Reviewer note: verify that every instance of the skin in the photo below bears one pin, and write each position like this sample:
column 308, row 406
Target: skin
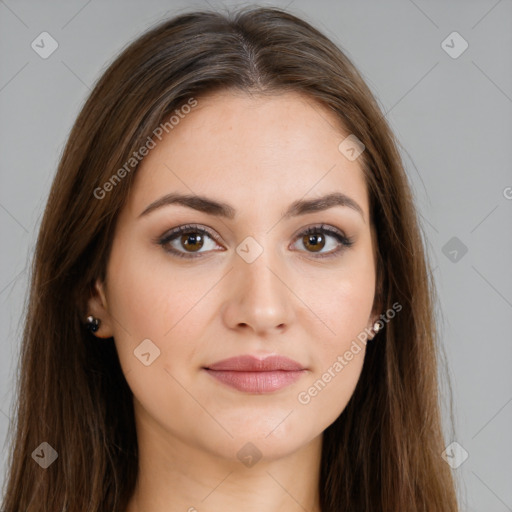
column 259, row 154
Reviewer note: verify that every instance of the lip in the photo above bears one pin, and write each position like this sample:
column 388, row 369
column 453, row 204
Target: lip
column 254, row 375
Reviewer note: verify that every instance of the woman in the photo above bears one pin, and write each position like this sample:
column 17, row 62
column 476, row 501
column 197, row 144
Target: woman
column 230, row 303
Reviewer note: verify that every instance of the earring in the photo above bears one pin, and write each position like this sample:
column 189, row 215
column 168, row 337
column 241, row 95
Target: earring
column 93, row 324
column 376, row 327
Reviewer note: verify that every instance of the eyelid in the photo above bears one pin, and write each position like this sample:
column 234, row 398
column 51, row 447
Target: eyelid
column 190, row 227
column 327, row 228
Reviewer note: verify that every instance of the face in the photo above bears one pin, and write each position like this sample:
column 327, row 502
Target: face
column 255, row 275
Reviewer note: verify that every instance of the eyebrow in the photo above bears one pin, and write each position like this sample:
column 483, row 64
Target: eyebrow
column 220, row 209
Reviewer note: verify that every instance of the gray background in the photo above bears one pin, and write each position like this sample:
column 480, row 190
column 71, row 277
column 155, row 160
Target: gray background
column 451, row 115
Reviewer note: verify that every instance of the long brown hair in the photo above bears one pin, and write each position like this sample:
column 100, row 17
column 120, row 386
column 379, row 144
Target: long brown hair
column 383, row 453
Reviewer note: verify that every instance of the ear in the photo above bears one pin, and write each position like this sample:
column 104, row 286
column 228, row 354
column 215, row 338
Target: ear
column 98, row 308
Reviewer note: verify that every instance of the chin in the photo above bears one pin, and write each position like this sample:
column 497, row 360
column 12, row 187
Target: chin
column 257, row 439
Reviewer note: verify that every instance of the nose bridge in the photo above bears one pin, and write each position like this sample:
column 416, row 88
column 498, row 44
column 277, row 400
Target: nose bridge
column 259, row 297
column 258, row 274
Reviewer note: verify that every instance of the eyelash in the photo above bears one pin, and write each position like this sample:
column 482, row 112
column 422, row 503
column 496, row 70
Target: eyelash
column 343, row 240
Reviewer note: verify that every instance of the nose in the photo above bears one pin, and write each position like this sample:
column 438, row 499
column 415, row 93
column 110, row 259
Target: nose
column 260, row 298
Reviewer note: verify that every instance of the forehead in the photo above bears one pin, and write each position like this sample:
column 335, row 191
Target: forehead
column 251, row 151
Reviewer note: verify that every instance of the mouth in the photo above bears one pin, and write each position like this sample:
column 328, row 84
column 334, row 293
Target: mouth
column 253, row 375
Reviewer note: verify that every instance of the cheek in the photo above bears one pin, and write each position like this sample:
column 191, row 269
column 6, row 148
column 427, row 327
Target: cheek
column 151, row 299
column 343, row 300
column 340, row 350
column 339, row 355
column 348, row 310
column 148, row 302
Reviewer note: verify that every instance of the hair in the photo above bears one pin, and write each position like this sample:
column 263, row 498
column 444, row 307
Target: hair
column 384, row 450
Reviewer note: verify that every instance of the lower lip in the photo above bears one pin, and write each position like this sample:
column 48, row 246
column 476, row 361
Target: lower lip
column 256, row 382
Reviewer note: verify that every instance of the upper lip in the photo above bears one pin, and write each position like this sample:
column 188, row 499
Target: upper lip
column 248, row 363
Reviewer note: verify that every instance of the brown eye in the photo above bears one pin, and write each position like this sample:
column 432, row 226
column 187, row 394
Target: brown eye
column 188, row 241
column 314, row 242
column 192, row 241
column 317, row 238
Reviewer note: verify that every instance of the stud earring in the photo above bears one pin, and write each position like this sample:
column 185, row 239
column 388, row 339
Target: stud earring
column 93, row 324
column 376, row 327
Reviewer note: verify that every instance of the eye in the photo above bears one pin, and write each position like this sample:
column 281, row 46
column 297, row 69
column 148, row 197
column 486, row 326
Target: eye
column 315, row 238
column 192, row 238
column 189, row 236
